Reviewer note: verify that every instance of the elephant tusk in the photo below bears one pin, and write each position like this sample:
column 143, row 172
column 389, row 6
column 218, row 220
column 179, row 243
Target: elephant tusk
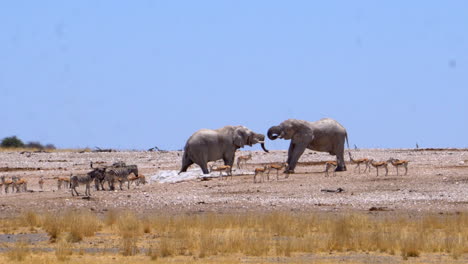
column 261, row 142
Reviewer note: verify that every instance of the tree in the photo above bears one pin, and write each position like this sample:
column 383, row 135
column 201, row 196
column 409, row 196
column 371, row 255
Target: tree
column 12, row 142
column 34, row 145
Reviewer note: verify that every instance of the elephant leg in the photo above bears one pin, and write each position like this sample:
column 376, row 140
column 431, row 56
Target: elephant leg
column 186, row 162
column 204, row 167
column 340, row 160
column 228, row 160
column 296, row 153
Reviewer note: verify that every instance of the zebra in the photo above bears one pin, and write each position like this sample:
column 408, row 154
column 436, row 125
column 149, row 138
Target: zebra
column 76, row 180
column 120, row 174
column 99, row 180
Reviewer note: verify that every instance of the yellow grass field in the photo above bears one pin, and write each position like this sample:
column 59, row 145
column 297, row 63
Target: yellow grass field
column 275, row 237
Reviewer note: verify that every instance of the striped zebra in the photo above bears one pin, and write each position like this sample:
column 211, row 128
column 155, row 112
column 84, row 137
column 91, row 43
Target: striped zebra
column 120, row 174
column 99, row 180
column 76, row 180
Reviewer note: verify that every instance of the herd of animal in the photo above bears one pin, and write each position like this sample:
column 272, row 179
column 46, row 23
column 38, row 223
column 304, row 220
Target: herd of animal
column 117, row 172
column 368, row 163
column 207, row 145
column 120, row 173
column 329, row 165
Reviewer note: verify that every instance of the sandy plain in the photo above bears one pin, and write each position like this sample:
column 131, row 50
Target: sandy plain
column 437, row 181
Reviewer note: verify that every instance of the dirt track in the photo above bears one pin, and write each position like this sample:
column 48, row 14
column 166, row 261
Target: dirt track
column 437, row 181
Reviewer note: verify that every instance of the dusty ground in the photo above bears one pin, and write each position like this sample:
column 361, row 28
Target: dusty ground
column 437, row 181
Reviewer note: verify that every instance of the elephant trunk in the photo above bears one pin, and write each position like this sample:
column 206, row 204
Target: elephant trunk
column 261, row 139
column 274, row 132
column 263, row 147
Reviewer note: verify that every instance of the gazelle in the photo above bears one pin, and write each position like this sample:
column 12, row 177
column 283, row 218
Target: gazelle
column 330, row 165
column 221, row 168
column 399, row 163
column 359, row 162
column 21, row 185
column 41, row 182
column 63, row 181
column 259, row 171
column 377, row 165
column 7, row 184
column 137, row 179
column 277, row 167
column 243, row 159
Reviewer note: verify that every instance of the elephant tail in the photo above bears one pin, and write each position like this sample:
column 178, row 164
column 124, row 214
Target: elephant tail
column 186, row 162
column 346, row 138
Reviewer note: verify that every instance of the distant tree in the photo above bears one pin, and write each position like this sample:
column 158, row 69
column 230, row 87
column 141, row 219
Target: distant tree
column 12, row 142
column 34, row 144
column 50, row 146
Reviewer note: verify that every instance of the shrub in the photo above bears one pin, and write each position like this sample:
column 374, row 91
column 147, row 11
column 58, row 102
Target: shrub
column 12, row 142
column 34, row 145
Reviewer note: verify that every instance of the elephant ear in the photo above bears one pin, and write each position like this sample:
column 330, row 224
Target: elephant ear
column 239, row 138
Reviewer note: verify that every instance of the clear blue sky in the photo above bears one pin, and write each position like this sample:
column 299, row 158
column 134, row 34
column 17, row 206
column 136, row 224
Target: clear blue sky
column 135, row 74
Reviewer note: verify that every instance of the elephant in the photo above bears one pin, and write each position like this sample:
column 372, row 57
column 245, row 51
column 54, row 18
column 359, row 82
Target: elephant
column 326, row 135
column 210, row 145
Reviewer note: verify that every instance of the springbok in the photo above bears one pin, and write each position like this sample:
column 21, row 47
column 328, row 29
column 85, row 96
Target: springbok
column 41, row 182
column 221, row 168
column 330, row 165
column 359, row 162
column 7, row 184
column 20, row 185
column 243, row 159
column 259, row 171
column 377, row 165
column 63, row 181
column 399, row 163
column 277, row 167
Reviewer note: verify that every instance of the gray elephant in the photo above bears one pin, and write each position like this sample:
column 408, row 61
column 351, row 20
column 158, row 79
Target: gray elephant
column 325, row 135
column 210, row 145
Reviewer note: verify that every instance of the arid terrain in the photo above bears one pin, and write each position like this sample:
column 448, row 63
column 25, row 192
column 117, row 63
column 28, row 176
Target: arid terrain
column 437, row 181
column 435, row 190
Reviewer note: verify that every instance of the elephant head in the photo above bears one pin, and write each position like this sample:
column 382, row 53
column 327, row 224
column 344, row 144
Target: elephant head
column 285, row 130
column 244, row 136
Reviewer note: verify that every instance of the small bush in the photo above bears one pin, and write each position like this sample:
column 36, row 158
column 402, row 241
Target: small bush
column 34, row 145
column 12, row 142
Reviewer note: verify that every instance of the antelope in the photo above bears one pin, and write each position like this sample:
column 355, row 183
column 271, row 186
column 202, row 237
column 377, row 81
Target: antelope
column 142, row 179
column 20, row 185
column 243, row 159
column 86, row 179
column 260, row 171
column 63, row 181
column 41, row 182
column 359, row 162
column 330, row 165
column 380, row 164
column 399, row 163
column 222, row 168
column 277, row 167
column 132, row 178
column 7, row 184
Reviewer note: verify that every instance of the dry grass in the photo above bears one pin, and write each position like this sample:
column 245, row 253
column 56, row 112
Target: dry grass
column 75, row 224
column 129, row 229
column 18, row 252
column 213, row 236
column 63, row 250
